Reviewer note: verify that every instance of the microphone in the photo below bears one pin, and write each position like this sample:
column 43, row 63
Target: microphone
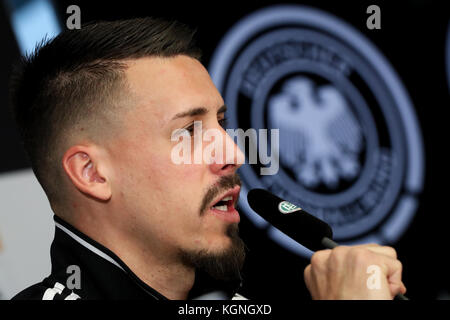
column 306, row 229
column 295, row 222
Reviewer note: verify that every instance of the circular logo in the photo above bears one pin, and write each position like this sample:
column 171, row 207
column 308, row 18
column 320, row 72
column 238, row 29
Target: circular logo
column 350, row 149
column 286, row 207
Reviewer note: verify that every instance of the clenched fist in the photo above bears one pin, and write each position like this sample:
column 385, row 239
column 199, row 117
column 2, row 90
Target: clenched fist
column 362, row 272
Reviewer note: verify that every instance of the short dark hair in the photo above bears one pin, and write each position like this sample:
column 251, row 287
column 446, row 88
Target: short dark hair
column 75, row 78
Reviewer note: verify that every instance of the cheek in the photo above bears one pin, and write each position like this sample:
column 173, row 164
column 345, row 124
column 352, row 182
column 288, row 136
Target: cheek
column 150, row 179
column 175, row 175
column 179, row 187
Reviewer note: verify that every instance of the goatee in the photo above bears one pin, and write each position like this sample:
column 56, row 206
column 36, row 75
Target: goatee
column 224, row 265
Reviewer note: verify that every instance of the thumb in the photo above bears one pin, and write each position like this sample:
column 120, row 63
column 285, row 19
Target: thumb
column 393, row 272
column 395, row 289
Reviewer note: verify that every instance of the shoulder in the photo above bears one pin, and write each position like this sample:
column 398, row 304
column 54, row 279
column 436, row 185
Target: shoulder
column 47, row 290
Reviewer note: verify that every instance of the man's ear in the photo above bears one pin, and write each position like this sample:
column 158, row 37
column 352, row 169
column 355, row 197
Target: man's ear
column 86, row 169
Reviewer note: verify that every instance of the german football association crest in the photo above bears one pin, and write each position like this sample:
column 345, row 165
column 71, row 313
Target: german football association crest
column 286, row 207
column 350, row 149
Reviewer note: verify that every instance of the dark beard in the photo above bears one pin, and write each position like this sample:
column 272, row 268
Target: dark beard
column 225, row 265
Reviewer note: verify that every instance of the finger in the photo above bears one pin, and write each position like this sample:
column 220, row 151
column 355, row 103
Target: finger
column 393, row 271
column 385, row 250
column 307, row 277
column 307, row 274
column 319, row 259
column 395, row 289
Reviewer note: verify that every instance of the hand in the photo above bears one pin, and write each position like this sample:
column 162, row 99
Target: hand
column 343, row 273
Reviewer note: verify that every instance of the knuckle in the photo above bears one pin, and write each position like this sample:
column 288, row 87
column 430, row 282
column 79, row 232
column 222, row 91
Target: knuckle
column 316, row 259
column 391, row 251
column 373, row 244
column 361, row 256
column 339, row 251
column 306, row 272
column 319, row 257
column 338, row 255
column 398, row 265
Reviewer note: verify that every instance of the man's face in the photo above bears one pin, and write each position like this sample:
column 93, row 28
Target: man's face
column 161, row 201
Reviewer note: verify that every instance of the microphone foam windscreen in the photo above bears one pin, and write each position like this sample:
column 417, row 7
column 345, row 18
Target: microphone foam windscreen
column 301, row 226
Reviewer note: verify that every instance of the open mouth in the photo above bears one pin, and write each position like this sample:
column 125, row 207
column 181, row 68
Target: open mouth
column 223, row 204
column 224, row 208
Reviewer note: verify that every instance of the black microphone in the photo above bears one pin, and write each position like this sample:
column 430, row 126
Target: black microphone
column 295, row 222
column 306, row 229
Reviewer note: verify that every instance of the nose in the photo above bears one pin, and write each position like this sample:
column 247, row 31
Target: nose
column 230, row 159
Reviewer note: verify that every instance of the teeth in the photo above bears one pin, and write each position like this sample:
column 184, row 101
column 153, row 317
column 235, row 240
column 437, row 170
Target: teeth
column 221, row 208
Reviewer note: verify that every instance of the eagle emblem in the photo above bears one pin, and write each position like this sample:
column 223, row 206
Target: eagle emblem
column 320, row 138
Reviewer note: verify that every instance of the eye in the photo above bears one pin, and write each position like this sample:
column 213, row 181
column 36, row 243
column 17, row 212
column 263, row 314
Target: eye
column 190, row 128
column 223, row 122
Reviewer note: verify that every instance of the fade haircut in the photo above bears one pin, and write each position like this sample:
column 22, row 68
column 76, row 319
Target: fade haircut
column 73, row 84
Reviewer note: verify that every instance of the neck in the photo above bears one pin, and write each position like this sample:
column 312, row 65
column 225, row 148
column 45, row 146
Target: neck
column 154, row 266
column 172, row 279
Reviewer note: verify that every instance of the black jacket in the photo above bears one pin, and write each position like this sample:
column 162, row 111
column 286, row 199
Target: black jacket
column 102, row 274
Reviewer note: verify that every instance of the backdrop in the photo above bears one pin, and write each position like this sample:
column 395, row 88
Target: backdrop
column 358, row 90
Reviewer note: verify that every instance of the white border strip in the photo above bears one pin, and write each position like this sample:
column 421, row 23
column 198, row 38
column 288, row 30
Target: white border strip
column 89, row 246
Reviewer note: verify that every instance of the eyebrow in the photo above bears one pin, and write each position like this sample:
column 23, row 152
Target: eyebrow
column 197, row 112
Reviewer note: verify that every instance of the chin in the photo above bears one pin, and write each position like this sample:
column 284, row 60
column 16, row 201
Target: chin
column 226, row 239
column 222, row 257
column 219, row 244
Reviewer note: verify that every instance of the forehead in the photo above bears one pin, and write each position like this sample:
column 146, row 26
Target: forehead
column 167, row 86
